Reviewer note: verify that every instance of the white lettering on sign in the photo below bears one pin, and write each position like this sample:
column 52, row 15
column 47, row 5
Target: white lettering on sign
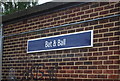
column 48, row 44
column 61, row 42
column 54, row 43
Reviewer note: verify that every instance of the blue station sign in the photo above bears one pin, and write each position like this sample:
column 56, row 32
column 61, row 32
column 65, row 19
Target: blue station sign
column 60, row 42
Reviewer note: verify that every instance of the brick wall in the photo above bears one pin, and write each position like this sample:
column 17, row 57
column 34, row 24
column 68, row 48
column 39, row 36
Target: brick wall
column 98, row 63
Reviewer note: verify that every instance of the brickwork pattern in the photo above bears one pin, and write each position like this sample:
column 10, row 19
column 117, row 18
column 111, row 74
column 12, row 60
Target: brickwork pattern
column 98, row 63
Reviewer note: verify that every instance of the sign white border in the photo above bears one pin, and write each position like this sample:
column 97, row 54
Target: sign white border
column 59, row 36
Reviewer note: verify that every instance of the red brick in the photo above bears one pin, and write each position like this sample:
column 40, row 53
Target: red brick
column 84, row 24
column 115, row 10
column 102, row 76
column 108, row 62
column 72, row 15
column 88, row 71
column 62, row 71
column 74, row 75
column 109, row 6
column 103, row 30
column 93, row 22
column 108, row 71
column 69, row 71
column 113, row 19
column 93, row 58
column 114, row 48
column 114, row 57
column 117, row 33
column 117, row 52
column 78, row 63
column 113, row 76
column 93, row 49
column 87, row 54
column 98, row 9
column 88, row 28
column 116, row 71
column 117, row 62
column 74, row 67
column 66, row 75
column 92, row 76
column 82, row 67
column 94, row 14
column 89, row 11
column 108, row 34
column 109, row 25
column 102, row 67
column 113, row 38
column 82, row 76
column 80, row 13
column 78, row 71
column 103, row 21
column 104, row 12
column 92, row 67
column 97, row 54
column 117, row 4
column 103, row 49
column 97, row 71
column 114, row 67
column 108, row 43
column 84, row 16
column 97, row 62
column 117, row 42
column 117, row 23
